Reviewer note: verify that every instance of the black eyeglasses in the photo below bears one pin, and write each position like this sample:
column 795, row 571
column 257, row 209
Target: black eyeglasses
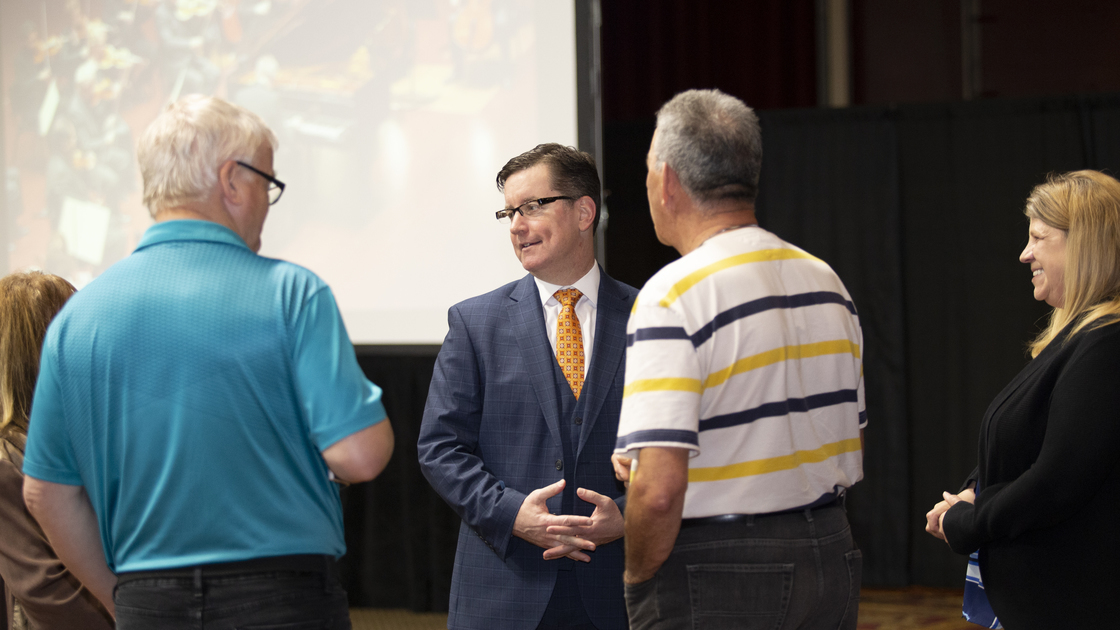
column 275, row 191
column 529, row 209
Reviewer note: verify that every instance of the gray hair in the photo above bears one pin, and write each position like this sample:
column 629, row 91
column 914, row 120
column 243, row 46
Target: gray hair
column 181, row 151
column 713, row 142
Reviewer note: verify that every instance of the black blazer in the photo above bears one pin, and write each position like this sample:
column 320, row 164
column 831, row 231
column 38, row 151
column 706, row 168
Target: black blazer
column 1047, row 517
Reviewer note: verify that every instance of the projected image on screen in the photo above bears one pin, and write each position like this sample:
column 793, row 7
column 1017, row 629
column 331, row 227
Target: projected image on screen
column 393, row 118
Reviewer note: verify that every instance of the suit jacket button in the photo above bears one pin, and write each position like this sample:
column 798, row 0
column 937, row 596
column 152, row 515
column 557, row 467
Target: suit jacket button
column 578, row 420
column 559, row 464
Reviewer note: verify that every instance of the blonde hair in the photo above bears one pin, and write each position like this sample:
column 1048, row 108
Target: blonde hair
column 181, row 151
column 1086, row 206
column 28, row 302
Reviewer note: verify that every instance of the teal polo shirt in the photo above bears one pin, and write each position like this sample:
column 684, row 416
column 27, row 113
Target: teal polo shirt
column 191, row 389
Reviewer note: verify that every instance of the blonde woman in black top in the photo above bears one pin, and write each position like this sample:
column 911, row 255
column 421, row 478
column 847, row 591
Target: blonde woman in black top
column 1044, row 518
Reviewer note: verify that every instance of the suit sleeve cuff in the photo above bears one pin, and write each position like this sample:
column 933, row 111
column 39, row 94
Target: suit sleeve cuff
column 502, row 537
column 973, row 477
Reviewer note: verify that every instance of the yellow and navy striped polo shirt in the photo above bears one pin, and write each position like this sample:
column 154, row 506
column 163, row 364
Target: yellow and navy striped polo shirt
column 747, row 352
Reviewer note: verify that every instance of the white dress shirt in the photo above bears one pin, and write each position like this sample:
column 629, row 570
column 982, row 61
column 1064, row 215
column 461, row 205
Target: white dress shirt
column 588, row 285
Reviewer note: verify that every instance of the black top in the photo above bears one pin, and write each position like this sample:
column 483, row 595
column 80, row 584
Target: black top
column 1047, row 517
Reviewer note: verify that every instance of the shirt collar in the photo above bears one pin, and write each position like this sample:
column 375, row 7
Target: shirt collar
column 189, row 230
column 588, row 285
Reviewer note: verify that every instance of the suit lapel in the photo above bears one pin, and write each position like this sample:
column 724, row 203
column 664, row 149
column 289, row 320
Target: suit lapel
column 526, row 318
column 607, row 354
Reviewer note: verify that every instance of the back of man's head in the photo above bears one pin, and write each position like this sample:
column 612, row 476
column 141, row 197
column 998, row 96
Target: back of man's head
column 713, row 142
column 181, row 151
column 573, row 172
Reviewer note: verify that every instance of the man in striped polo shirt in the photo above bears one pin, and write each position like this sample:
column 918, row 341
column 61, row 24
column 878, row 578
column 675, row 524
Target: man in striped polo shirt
column 743, row 409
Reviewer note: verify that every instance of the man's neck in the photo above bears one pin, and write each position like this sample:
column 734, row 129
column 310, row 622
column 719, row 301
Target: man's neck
column 181, row 213
column 706, row 223
column 198, row 211
column 570, row 274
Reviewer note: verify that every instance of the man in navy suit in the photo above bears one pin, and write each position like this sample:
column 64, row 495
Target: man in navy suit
column 523, row 410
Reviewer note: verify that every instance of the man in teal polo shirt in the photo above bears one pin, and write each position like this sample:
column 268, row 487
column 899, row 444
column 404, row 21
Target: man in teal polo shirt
column 195, row 402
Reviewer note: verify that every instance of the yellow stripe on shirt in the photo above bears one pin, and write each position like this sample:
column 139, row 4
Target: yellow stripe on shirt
column 777, row 355
column 773, row 464
column 761, row 255
column 663, row 385
column 770, row 357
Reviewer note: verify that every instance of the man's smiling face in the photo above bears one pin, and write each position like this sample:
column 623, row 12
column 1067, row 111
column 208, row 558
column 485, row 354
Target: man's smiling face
column 548, row 245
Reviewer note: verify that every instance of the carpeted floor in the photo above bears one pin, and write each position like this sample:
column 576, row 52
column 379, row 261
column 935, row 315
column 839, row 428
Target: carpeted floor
column 910, row 608
column 395, row 619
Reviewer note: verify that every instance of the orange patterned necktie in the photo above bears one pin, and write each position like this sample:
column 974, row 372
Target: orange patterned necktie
column 569, row 339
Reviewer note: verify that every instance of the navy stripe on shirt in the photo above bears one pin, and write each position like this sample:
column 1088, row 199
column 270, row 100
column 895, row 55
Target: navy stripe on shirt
column 768, row 303
column 657, row 435
column 658, row 333
column 780, row 408
column 736, row 313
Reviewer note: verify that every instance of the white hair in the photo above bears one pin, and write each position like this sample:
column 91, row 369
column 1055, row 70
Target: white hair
column 181, row 151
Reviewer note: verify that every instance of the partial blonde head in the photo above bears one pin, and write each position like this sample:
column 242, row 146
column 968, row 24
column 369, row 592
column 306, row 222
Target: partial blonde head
column 181, row 151
column 1086, row 206
column 28, row 302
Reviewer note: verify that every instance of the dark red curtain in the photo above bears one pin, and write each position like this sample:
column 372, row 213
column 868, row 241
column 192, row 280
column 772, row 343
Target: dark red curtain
column 762, row 51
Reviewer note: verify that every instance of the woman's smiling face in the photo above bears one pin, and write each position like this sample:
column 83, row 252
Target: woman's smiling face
column 1046, row 254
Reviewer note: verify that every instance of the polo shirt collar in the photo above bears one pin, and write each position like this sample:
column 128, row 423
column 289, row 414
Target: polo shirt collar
column 189, row 230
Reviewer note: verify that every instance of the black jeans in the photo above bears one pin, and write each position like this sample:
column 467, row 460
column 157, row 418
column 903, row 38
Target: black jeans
column 206, row 598
column 778, row 572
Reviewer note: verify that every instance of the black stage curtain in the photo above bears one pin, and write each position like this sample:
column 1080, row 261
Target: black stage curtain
column 400, row 535
column 919, row 210
column 830, row 185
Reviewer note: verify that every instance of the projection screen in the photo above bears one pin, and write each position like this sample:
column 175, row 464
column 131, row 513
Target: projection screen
column 393, row 119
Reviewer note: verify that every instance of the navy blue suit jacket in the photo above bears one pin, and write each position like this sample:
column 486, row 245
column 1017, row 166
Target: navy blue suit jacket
column 491, row 435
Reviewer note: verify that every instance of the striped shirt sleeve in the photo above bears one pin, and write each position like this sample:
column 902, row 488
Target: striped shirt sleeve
column 664, row 382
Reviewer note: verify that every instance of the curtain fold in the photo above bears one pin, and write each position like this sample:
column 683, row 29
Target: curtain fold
column 400, row 535
column 830, row 185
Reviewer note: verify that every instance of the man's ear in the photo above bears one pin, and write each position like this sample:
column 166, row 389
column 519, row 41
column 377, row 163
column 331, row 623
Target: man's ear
column 587, row 210
column 671, row 188
column 233, row 191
